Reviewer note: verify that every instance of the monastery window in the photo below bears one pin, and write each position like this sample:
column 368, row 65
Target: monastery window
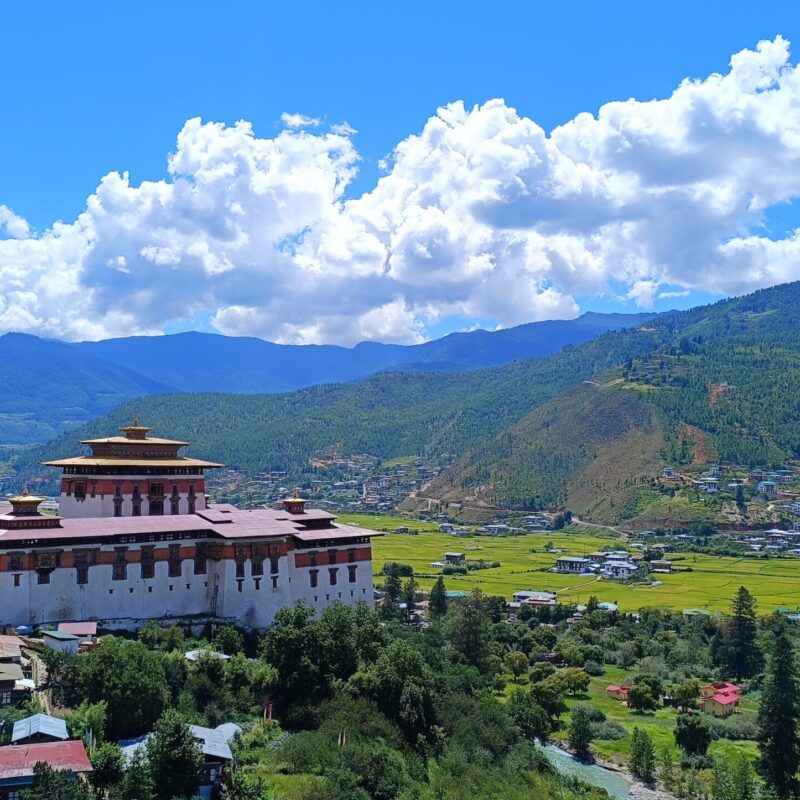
column 174, row 561
column 352, row 573
column 200, row 559
column 120, row 566
column 156, row 490
column 274, row 581
column 156, row 508
column 80, row 490
column 82, row 574
column 332, row 574
column 314, row 576
column 312, row 559
column 17, row 580
column 351, row 556
column 257, row 582
column 148, row 563
column 331, row 556
column 43, row 577
column 15, row 562
column 257, row 560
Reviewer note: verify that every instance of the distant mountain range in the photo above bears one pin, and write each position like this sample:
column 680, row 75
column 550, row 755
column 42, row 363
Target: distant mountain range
column 57, row 386
column 589, row 426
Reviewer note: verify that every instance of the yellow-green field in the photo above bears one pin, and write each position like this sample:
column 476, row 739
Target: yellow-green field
column 524, row 564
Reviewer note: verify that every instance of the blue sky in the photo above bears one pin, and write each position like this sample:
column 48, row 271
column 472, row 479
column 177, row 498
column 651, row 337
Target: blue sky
column 94, row 88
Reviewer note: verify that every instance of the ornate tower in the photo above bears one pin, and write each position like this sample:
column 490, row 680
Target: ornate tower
column 134, row 475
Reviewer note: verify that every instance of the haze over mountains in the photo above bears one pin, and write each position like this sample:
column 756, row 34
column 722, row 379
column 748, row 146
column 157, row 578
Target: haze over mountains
column 58, row 386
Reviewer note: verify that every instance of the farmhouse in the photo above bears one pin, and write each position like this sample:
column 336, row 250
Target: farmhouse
column 618, row 692
column 151, row 546
column 536, row 599
column 455, row 559
column 767, row 488
column 39, row 728
column 661, row 566
column 720, row 699
column 573, row 564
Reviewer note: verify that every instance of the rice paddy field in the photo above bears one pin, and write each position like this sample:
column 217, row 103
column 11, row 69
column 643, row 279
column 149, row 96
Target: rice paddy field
column 525, row 563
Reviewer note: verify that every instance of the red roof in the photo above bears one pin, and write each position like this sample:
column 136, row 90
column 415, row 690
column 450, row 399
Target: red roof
column 724, row 686
column 724, row 698
column 18, row 761
column 614, row 688
column 78, row 628
column 223, row 522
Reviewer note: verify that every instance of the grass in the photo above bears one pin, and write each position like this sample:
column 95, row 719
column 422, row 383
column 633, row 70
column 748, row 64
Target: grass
column 659, row 725
column 525, row 564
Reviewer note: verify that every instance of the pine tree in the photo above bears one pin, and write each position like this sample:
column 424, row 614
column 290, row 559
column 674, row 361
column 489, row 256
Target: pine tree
column 743, row 780
column 667, row 768
column 778, row 717
column 643, row 756
column 580, row 731
column 438, row 598
column 742, row 656
column 722, row 782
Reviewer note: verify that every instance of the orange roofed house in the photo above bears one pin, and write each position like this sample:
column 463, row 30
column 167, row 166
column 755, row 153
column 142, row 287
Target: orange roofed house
column 618, row 692
column 720, row 699
column 136, row 539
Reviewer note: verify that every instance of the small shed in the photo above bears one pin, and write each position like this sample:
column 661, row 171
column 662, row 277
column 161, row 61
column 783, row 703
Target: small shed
column 39, row 728
column 63, row 642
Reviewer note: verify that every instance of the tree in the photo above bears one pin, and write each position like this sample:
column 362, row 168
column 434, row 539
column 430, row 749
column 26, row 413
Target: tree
column 721, row 782
column 291, row 645
column 541, row 670
column 692, row 733
column 517, row 663
column 743, row 659
column 131, row 680
column 778, row 716
column 137, row 782
column 175, row 758
column 575, row 680
column 640, row 698
column 643, row 756
column 685, row 694
column 743, row 780
column 667, row 768
column 229, row 639
column 240, row 785
column 50, row 784
column 438, row 598
column 470, row 629
column 580, row 731
column 409, row 596
column 107, row 767
column 88, row 720
column 529, row 716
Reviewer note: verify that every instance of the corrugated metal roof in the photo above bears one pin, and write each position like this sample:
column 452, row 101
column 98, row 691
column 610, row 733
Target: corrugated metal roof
column 10, row 672
column 212, row 742
column 78, row 628
column 39, row 724
column 18, row 760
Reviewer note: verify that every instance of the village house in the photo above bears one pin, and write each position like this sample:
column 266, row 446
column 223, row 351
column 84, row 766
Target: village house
column 455, row 559
column 661, row 566
column 720, row 699
column 39, row 728
column 17, row 763
column 767, row 488
column 572, row 564
column 217, row 754
column 535, row 599
column 618, row 692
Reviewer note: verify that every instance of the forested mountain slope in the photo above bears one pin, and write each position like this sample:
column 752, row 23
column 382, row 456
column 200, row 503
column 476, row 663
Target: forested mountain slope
column 49, row 387
column 58, row 386
column 728, row 374
column 730, row 370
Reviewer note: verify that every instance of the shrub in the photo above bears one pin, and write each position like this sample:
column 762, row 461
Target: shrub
column 610, row 730
column 736, row 728
column 593, row 668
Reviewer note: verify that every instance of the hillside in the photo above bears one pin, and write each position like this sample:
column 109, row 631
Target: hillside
column 59, row 386
column 722, row 384
column 51, row 387
column 529, row 433
column 591, row 443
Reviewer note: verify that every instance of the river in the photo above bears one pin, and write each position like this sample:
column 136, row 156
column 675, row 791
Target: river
column 616, row 786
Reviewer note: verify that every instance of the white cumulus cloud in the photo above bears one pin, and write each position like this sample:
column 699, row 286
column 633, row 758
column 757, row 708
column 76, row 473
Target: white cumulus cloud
column 480, row 215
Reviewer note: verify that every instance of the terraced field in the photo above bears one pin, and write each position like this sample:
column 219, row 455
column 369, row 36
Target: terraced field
column 524, row 564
